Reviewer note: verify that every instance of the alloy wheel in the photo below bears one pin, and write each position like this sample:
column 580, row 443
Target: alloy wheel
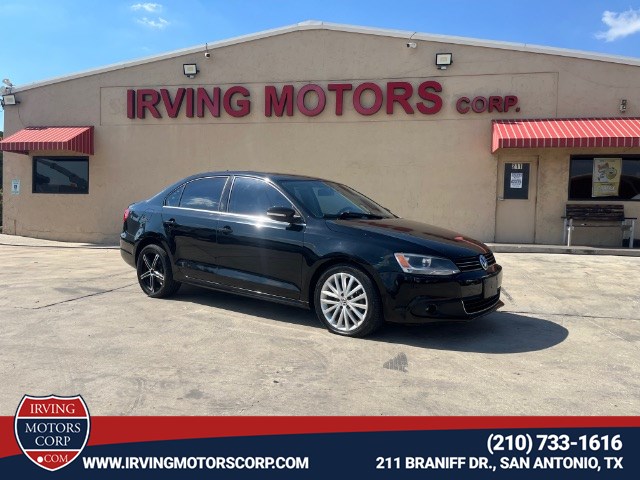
column 344, row 302
column 153, row 276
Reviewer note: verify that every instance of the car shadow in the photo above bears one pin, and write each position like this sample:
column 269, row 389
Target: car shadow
column 247, row 306
column 497, row 333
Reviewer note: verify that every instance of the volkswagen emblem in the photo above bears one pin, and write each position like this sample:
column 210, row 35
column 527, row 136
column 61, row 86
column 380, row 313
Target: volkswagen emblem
column 483, row 262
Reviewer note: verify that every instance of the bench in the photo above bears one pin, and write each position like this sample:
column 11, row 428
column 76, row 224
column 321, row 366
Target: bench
column 590, row 214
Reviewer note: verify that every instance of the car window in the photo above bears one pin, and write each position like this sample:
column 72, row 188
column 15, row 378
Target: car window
column 331, row 200
column 328, row 200
column 173, row 199
column 203, row 193
column 252, row 196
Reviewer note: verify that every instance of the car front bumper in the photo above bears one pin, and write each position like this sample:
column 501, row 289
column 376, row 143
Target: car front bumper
column 422, row 299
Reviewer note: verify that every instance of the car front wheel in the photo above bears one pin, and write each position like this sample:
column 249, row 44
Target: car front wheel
column 347, row 302
column 154, row 272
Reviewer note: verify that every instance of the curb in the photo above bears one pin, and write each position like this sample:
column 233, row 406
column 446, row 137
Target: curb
column 562, row 249
column 88, row 246
column 495, row 247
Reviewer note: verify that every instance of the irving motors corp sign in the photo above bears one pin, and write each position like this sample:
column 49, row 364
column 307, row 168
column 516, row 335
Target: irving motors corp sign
column 310, row 100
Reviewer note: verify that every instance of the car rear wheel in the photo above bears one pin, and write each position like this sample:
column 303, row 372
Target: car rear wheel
column 154, row 272
column 347, row 302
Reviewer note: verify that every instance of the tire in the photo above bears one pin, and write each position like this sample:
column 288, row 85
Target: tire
column 154, row 272
column 347, row 302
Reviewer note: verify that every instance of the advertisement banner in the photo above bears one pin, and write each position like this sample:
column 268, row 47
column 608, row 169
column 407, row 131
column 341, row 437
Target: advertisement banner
column 606, row 177
column 321, row 447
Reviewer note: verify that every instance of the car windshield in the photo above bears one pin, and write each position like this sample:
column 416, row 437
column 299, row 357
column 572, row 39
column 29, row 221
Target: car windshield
column 324, row 199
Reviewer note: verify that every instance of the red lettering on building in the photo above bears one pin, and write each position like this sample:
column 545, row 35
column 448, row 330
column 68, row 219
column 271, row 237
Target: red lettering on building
column 339, row 88
column 495, row 103
column 462, row 105
column 357, row 98
column 278, row 105
column 131, row 103
column 204, row 100
column 479, row 104
column 189, row 102
column 320, row 103
column 310, row 100
column 426, row 92
column 147, row 99
column 402, row 98
column 242, row 106
column 172, row 108
column 510, row 101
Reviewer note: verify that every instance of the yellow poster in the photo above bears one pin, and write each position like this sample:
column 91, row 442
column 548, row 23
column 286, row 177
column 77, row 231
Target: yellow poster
column 606, row 177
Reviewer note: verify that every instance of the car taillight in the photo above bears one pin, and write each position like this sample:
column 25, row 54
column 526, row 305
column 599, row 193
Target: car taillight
column 126, row 215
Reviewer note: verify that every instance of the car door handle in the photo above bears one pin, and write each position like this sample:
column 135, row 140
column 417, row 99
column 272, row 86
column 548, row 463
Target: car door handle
column 170, row 223
column 226, row 230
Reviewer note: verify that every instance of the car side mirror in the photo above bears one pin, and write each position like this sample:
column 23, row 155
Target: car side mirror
column 281, row 214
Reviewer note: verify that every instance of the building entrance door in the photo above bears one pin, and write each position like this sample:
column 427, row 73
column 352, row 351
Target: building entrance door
column 516, row 204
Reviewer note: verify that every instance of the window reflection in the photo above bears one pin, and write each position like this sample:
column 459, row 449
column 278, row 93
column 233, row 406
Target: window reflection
column 581, row 178
column 60, row 175
column 203, row 193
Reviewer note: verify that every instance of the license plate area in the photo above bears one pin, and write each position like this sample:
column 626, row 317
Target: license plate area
column 490, row 286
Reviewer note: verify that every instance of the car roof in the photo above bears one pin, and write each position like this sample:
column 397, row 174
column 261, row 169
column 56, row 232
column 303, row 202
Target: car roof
column 267, row 175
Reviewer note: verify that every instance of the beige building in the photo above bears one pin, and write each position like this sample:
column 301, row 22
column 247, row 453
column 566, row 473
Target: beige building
column 446, row 144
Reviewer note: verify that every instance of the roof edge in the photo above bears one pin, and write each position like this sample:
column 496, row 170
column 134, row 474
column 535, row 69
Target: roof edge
column 320, row 25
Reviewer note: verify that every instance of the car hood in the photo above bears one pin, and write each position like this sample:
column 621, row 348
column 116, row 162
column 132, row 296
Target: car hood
column 438, row 240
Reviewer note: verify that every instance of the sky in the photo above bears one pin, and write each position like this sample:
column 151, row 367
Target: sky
column 41, row 39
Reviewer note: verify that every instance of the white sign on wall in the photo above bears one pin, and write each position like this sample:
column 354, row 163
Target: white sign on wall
column 516, row 180
column 15, row 186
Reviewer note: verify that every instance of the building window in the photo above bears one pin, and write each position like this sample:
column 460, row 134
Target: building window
column 622, row 185
column 60, row 175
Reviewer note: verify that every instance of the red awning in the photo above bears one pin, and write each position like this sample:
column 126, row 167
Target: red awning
column 566, row 132
column 63, row 139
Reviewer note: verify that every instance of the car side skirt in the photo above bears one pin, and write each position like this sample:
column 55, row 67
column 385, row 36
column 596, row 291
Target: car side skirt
column 243, row 292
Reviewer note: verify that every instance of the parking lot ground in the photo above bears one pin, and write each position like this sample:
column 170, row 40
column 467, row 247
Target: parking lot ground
column 74, row 320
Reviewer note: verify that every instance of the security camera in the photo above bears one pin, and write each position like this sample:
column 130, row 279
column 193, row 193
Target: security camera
column 412, row 44
column 207, row 55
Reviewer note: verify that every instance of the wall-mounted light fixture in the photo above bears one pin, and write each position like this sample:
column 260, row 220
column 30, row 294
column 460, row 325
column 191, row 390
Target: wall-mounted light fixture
column 9, row 99
column 190, row 69
column 412, row 45
column 443, row 60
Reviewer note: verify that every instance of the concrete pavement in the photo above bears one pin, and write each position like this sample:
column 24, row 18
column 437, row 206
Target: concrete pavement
column 75, row 321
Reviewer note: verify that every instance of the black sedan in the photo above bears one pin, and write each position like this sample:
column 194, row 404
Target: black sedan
column 307, row 242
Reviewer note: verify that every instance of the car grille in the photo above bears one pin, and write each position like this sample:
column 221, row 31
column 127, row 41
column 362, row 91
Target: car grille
column 468, row 264
column 481, row 304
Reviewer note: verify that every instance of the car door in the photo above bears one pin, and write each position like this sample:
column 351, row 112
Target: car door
column 190, row 217
column 255, row 252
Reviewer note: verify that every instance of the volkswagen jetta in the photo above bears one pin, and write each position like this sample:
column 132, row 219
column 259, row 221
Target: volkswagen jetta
column 307, row 242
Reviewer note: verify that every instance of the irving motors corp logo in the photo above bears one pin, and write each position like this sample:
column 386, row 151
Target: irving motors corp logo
column 53, row 430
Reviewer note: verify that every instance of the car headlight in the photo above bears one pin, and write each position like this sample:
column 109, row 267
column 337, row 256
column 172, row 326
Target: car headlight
column 425, row 264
